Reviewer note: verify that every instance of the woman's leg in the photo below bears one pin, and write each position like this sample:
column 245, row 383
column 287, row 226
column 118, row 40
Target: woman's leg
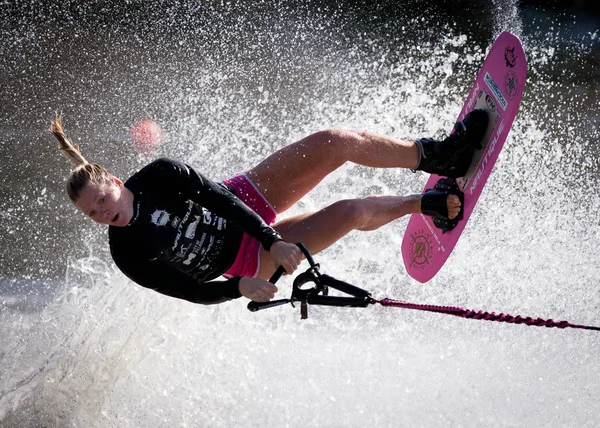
column 320, row 229
column 288, row 174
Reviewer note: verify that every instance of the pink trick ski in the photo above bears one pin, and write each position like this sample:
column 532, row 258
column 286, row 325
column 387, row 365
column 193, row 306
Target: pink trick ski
column 497, row 89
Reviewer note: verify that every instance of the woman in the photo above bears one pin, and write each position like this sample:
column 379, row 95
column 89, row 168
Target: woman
column 173, row 230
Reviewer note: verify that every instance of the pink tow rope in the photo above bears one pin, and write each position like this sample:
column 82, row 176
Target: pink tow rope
column 481, row 315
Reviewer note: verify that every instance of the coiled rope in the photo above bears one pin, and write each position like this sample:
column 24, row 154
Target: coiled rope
column 483, row 315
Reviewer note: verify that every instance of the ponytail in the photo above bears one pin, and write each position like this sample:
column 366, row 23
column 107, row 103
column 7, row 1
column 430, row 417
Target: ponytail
column 84, row 171
column 65, row 145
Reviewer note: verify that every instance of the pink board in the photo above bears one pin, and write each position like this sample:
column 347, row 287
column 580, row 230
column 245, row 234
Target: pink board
column 498, row 89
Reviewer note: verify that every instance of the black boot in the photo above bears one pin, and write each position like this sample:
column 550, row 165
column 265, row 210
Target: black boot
column 452, row 156
column 434, row 203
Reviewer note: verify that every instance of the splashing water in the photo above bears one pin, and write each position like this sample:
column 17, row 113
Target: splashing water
column 100, row 351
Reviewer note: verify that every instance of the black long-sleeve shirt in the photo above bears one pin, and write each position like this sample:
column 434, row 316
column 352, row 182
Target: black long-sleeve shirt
column 186, row 230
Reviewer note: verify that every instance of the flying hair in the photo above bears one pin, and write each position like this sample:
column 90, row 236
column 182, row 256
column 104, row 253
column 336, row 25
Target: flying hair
column 84, row 172
column 71, row 151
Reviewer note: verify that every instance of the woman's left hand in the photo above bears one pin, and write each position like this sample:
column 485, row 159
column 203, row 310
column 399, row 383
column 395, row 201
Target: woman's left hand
column 287, row 255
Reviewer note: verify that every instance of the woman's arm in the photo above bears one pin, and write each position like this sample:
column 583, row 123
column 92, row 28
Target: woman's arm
column 165, row 279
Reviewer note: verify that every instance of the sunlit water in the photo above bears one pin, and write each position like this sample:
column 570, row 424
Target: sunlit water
column 99, row 351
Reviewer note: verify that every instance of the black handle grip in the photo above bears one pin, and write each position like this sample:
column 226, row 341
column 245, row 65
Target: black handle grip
column 257, row 306
column 278, row 274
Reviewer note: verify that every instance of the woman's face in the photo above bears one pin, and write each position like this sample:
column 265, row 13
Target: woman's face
column 110, row 203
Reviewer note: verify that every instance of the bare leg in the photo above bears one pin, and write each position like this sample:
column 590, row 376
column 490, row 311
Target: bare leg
column 288, row 174
column 320, row 229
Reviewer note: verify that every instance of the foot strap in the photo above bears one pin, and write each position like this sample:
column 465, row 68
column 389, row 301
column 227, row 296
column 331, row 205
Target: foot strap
column 434, row 203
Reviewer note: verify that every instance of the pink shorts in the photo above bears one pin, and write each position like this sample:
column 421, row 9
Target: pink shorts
column 247, row 261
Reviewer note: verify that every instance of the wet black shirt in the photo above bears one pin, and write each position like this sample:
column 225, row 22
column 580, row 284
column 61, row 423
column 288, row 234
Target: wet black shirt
column 186, row 231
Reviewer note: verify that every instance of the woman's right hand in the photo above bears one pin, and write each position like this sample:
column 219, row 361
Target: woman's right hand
column 287, row 255
column 257, row 289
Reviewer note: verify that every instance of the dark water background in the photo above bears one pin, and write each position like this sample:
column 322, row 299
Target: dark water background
column 230, row 82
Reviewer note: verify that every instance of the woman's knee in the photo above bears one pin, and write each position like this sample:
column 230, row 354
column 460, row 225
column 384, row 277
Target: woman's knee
column 355, row 212
column 336, row 143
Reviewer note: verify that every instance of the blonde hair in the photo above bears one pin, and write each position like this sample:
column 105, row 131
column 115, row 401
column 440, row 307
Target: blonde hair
column 84, row 171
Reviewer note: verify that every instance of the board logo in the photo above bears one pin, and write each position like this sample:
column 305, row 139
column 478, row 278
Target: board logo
column 420, row 248
column 496, row 90
column 510, row 57
column 511, row 84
